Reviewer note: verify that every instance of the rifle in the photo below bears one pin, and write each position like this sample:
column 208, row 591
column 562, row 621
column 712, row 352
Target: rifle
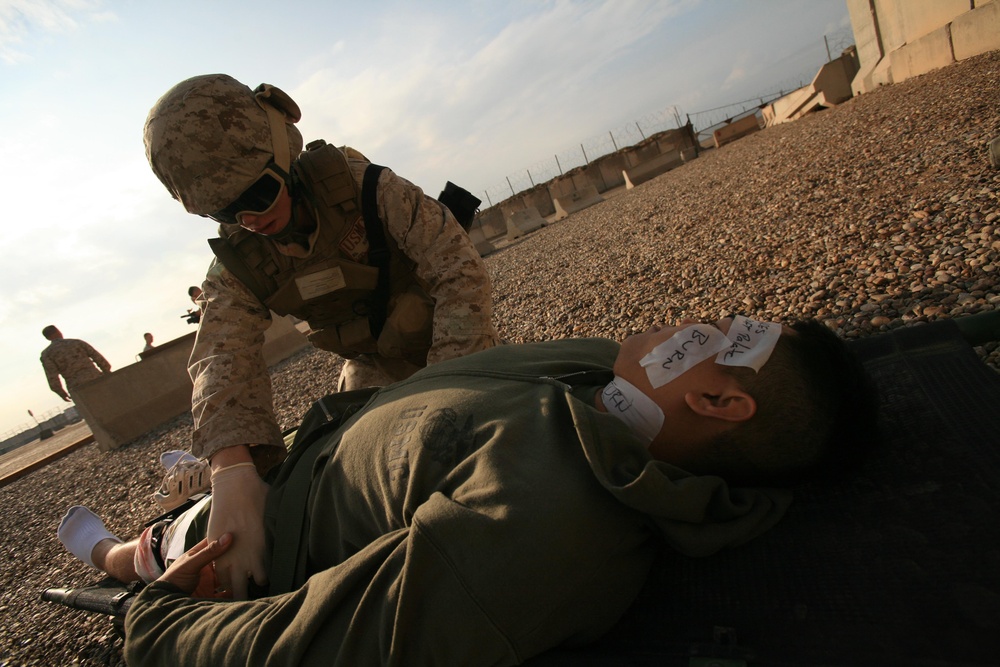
column 108, row 596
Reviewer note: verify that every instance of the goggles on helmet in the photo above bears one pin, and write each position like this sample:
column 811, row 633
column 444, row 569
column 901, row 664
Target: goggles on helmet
column 258, row 199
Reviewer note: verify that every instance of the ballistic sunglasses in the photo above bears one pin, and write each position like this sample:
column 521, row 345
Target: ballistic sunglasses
column 258, row 199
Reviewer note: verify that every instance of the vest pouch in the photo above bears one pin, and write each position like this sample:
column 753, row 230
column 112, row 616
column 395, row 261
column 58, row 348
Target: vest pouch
column 348, row 339
column 408, row 328
column 324, row 291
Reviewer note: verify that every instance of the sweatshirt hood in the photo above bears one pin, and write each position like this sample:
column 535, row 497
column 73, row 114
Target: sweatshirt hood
column 696, row 515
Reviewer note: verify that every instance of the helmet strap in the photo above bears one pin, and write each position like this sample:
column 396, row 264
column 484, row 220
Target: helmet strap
column 279, row 136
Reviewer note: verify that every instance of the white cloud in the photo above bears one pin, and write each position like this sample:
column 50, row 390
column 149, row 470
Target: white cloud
column 21, row 19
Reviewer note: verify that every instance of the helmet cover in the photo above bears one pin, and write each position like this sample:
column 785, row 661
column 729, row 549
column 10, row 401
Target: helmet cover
column 209, row 138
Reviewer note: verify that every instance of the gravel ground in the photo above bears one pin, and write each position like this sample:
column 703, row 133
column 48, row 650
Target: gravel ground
column 878, row 214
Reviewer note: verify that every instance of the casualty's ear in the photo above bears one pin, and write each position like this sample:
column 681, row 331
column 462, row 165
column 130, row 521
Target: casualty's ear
column 733, row 404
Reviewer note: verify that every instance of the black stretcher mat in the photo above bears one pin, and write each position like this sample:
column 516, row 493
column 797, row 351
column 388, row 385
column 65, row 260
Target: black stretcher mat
column 898, row 566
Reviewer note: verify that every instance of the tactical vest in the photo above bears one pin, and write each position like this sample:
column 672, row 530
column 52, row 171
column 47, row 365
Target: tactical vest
column 348, row 310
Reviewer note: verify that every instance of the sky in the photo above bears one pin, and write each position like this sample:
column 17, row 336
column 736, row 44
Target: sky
column 470, row 92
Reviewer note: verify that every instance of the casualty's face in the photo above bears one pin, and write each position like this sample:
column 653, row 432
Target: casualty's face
column 676, row 355
column 637, row 346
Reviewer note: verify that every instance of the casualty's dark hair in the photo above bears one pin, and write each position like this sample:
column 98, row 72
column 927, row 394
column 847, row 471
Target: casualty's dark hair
column 192, row 289
column 817, row 412
column 49, row 331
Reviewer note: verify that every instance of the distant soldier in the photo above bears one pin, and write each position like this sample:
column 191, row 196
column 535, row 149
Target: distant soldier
column 75, row 360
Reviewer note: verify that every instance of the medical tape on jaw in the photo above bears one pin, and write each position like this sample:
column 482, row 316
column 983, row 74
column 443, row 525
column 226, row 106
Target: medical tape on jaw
column 638, row 411
column 685, row 349
column 751, row 343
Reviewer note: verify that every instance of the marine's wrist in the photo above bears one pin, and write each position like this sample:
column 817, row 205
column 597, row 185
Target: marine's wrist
column 230, row 456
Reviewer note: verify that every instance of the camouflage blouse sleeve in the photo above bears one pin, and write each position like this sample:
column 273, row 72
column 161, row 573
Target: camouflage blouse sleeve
column 52, row 376
column 446, row 261
column 232, row 402
column 97, row 358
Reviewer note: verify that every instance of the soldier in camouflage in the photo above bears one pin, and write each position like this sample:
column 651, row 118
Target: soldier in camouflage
column 293, row 241
column 76, row 361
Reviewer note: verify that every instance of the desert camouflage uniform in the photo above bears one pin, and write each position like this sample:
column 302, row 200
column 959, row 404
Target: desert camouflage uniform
column 232, row 402
column 75, row 360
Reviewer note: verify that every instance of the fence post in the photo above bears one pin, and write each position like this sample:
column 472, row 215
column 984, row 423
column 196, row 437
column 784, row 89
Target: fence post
column 558, row 165
column 488, row 197
column 584, row 154
column 640, row 130
column 530, row 179
column 512, row 193
column 613, row 143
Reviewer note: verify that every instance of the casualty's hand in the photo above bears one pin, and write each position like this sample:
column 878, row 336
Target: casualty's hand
column 238, row 496
column 186, row 572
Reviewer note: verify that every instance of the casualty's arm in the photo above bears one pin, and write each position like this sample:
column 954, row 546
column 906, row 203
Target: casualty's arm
column 416, row 596
column 446, row 261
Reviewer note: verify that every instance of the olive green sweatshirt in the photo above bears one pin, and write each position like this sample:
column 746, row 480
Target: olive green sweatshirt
column 478, row 513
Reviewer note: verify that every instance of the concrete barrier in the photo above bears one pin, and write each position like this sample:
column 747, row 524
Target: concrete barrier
column 736, row 130
column 478, row 238
column 577, row 201
column 137, row 398
column 491, row 222
column 930, row 52
column 645, row 171
column 523, row 222
column 977, row 31
column 899, row 39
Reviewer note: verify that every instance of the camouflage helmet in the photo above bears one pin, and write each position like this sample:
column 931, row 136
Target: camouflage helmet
column 210, row 137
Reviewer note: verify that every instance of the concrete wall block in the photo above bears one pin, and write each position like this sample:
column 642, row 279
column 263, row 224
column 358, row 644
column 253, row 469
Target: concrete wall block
column 653, row 168
column 137, row 398
column 134, row 399
column 865, row 35
column 539, row 198
column 928, row 53
column 585, row 178
column 890, row 24
column 577, row 201
column 479, row 240
column 977, row 31
column 834, row 79
column 611, row 167
column 561, row 187
column 524, row 222
column 492, row 222
column 922, row 17
column 736, row 130
column 668, row 145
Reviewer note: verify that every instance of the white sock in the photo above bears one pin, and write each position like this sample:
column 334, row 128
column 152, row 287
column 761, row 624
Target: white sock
column 80, row 531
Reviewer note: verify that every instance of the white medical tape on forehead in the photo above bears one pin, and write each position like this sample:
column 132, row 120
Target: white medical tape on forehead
column 752, row 343
column 638, row 411
column 689, row 346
